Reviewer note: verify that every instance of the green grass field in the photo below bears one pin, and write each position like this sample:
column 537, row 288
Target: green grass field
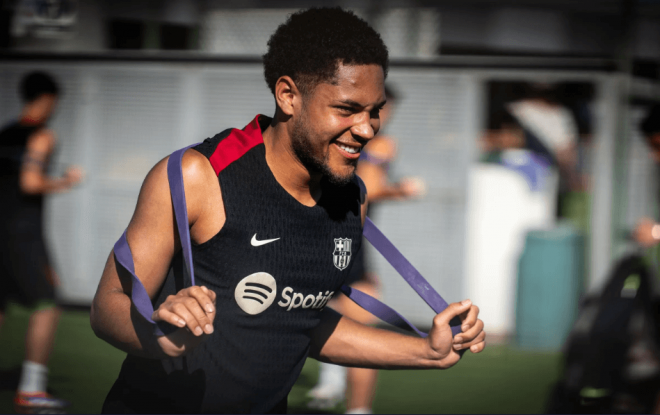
column 499, row 380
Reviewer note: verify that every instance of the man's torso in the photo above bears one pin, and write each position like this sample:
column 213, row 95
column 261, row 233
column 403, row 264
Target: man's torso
column 273, row 266
column 23, row 213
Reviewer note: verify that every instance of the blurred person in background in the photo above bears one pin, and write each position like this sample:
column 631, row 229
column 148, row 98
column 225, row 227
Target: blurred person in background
column 506, row 143
column 577, row 98
column 26, row 273
column 373, row 168
column 550, row 131
column 647, row 231
column 503, row 133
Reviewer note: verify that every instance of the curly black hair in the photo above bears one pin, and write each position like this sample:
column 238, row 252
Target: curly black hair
column 312, row 43
column 36, row 84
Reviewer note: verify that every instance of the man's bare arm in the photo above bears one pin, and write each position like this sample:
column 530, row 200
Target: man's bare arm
column 341, row 340
column 153, row 242
column 376, row 179
column 346, row 342
column 33, row 178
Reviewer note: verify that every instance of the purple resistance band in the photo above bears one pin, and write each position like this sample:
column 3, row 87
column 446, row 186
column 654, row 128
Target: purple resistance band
column 409, row 273
column 371, row 232
column 124, row 256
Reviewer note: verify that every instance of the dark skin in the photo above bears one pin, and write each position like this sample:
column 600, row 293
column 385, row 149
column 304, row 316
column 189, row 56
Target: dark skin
column 341, row 113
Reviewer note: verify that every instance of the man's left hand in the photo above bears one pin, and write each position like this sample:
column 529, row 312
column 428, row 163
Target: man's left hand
column 443, row 348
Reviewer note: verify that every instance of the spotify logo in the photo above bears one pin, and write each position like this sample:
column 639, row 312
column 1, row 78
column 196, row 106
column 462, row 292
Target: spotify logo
column 256, row 292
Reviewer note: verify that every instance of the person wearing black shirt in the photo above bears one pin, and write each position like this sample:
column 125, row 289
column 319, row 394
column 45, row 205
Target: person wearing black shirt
column 25, row 270
column 269, row 206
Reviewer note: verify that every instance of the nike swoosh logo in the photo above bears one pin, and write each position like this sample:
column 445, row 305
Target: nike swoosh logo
column 254, row 241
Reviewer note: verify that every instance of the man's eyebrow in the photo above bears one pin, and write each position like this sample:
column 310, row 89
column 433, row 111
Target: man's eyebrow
column 354, row 104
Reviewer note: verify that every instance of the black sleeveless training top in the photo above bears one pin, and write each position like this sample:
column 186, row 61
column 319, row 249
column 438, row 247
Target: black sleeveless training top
column 274, row 266
column 17, row 207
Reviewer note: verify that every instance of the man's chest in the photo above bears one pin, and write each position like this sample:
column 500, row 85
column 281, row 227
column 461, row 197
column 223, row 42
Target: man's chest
column 291, row 264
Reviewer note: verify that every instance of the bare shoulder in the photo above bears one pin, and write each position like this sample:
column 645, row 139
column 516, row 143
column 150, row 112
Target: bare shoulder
column 196, row 168
column 199, row 178
column 202, row 192
column 153, row 193
column 42, row 140
column 202, row 187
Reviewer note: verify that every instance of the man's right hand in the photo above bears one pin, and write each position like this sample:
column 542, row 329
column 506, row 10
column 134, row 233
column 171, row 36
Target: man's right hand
column 74, row 175
column 413, row 187
column 193, row 311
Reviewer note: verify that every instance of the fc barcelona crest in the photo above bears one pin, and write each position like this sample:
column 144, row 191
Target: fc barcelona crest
column 342, row 254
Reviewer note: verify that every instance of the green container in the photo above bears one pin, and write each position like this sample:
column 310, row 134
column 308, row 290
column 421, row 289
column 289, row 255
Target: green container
column 549, row 287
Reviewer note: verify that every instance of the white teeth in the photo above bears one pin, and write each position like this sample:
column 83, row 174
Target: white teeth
column 348, row 149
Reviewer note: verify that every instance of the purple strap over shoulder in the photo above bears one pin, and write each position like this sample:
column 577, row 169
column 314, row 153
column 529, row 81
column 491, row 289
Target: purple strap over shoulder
column 124, row 256
column 175, row 177
column 144, row 306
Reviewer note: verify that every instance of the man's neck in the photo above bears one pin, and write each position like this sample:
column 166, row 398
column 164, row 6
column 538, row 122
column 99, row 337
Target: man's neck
column 27, row 118
column 287, row 168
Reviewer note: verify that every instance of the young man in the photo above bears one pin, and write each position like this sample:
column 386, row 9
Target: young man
column 267, row 207
column 25, row 270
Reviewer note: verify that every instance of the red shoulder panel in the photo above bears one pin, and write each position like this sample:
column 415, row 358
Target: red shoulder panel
column 235, row 145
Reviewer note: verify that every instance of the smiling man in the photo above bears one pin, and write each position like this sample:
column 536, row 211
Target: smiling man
column 275, row 214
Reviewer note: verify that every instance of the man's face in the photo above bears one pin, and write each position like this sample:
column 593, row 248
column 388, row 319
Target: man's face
column 41, row 109
column 337, row 120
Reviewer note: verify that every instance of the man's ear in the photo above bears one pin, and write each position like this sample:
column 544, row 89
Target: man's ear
column 287, row 96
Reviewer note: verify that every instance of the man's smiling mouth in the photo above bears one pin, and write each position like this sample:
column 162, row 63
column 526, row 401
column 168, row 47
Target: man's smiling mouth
column 349, row 149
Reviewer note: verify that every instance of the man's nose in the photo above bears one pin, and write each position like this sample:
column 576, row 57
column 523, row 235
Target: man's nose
column 363, row 127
